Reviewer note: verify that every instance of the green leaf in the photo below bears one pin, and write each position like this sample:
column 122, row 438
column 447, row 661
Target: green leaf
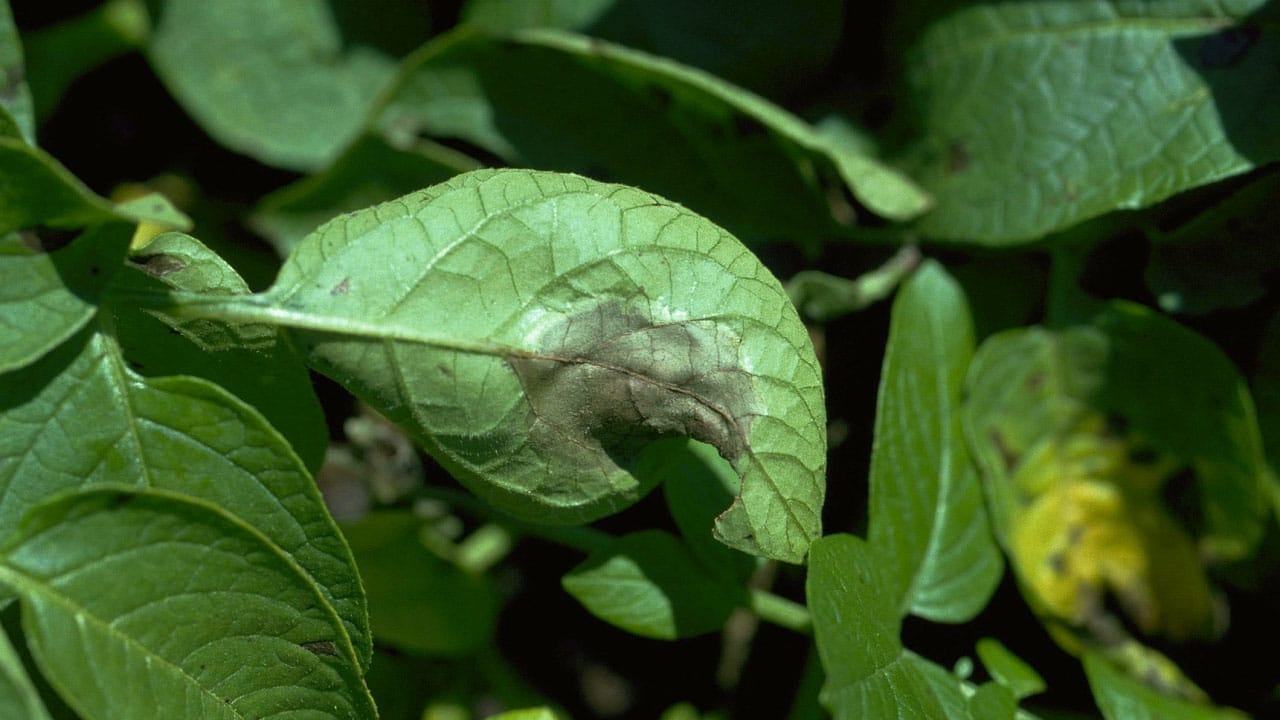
column 15, row 97
column 649, row 583
column 144, row 603
column 154, row 208
column 1121, row 697
column 1039, row 115
column 418, row 602
column 856, row 625
column 698, row 484
column 1210, row 420
column 46, row 298
column 80, row 417
column 256, row 363
column 539, row 713
column 638, row 119
column 1008, row 669
column 992, row 701
column 534, row 331
column 368, row 171
column 35, row 190
column 774, row 46
column 267, row 78
column 926, row 504
column 18, row 695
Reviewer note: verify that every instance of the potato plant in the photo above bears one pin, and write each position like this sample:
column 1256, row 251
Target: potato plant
column 431, row 360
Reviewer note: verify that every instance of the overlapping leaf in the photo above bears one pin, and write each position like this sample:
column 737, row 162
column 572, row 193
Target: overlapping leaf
column 15, row 96
column 268, row 78
column 1041, row 114
column 138, row 599
column 80, row 417
column 638, row 119
column 535, row 331
column 253, row 362
column 926, row 504
column 869, row 673
column 774, row 46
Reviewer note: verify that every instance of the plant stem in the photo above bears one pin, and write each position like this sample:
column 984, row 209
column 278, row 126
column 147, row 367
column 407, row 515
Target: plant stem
column 780, row 611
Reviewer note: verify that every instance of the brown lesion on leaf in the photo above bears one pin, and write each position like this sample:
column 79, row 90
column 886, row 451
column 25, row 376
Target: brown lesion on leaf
column 320, row 647
column 160, row 264
column 608, row 381
column 341, row 288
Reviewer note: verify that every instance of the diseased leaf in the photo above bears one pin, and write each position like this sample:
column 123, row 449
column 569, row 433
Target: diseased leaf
column 15, row 97
column 45, row 297
column 535, row 331
column 256, row 363
column 642, row 120
column 144, row 599
column 80, row 417
column 418, row 602
column 1121, row 697
column 1039, row 115
column 773, row 46
column 650, row 584
column 19, row 698
column 267, row 78
column 926, row 505
column 869, row 673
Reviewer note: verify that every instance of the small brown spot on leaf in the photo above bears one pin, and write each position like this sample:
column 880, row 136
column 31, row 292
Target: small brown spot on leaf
column 321, row 647
column 160, row 264
column 341, row 288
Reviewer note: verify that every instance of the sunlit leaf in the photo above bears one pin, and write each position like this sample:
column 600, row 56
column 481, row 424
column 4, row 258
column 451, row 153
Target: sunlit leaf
column 1041, row 114
column 535, row 331
column 267, row 78
column 926, row 509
